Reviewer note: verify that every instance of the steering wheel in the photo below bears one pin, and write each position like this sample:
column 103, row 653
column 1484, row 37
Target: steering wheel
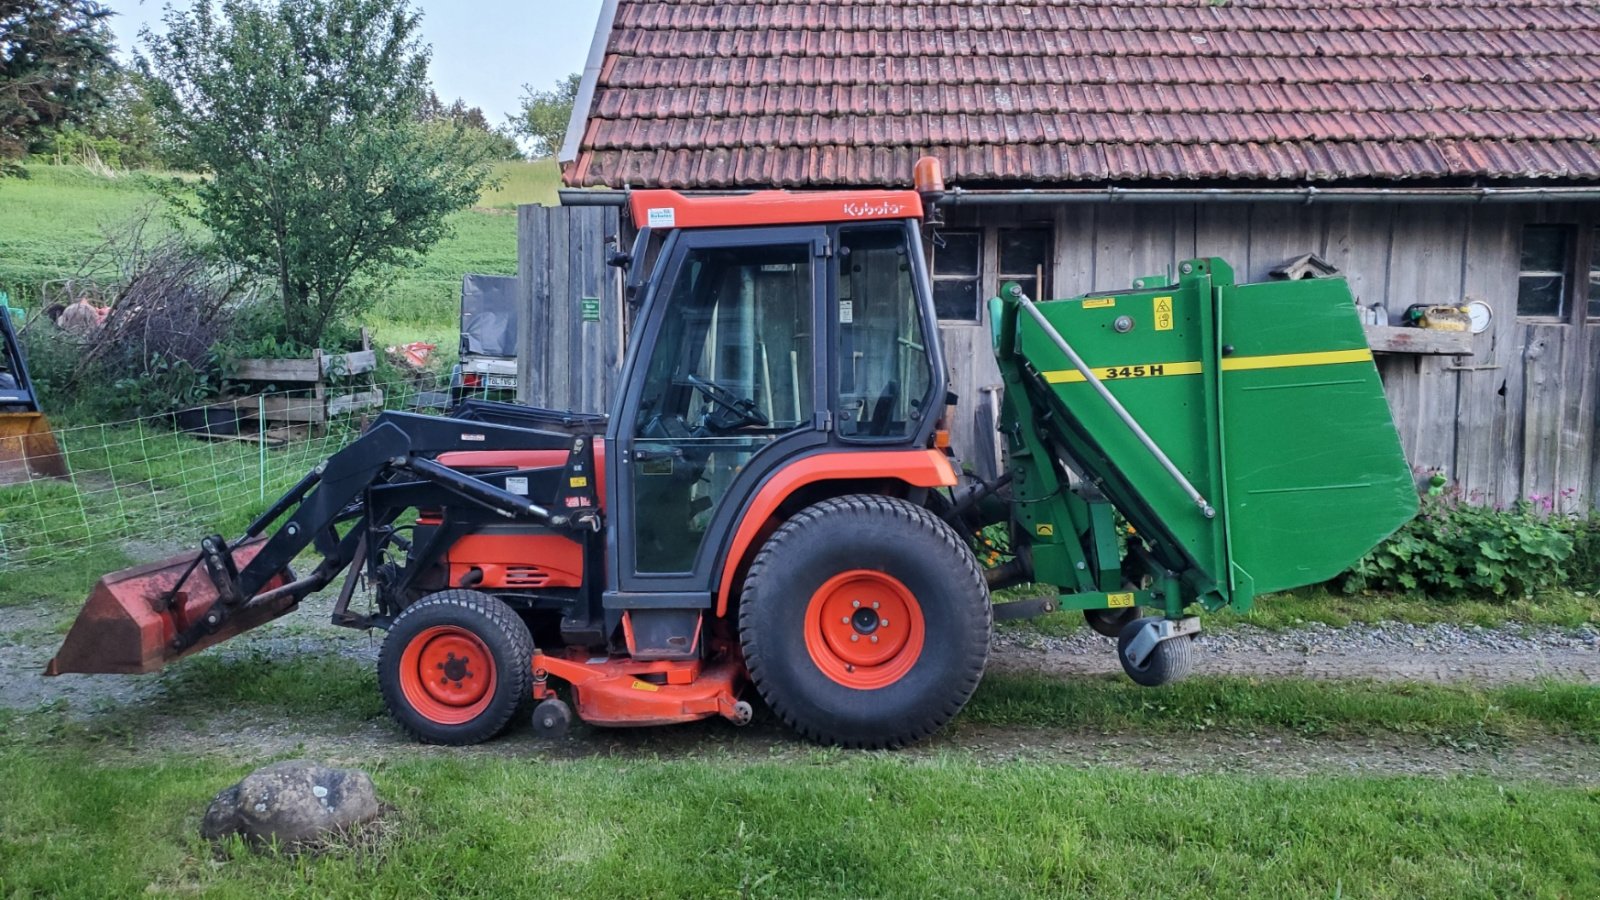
column 744, row 412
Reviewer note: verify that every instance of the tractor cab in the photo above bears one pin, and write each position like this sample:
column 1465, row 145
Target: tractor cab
column 772, row 328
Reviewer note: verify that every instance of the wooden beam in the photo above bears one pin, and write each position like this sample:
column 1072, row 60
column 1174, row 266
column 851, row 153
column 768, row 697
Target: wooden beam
column 1423, row 341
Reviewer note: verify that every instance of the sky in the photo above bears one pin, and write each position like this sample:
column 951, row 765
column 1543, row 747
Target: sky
column 484, row 51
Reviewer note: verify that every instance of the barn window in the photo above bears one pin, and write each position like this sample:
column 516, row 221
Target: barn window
column 957, row 267
column 1547, row 256
column 1025, row 259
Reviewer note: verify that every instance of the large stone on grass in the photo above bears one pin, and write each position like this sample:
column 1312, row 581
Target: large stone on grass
column 293, row 803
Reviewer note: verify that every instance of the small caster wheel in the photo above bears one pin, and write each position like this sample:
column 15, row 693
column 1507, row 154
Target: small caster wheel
column 552, row 719
column 1169, row 661
column 742, row 713
column 1110, row 622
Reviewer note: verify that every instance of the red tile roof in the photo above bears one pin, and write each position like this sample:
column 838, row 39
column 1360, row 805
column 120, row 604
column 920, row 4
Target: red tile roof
column 807, row 93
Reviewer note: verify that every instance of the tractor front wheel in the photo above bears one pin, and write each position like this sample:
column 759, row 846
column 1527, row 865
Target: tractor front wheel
column 456, row 667
column 865, row 622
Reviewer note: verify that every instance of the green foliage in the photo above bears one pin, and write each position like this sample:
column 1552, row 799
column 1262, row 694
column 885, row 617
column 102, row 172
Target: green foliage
column 494, row 143
column 121, row 134
column 544, row 115
column 51, row 53
column 303, row 115
column 259, row 331
column 1456, row 548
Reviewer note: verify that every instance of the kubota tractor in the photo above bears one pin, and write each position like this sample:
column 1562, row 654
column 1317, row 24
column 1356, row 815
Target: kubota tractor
column 770, row 503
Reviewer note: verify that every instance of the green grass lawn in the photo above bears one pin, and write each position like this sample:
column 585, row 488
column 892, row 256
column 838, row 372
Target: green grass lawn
column 833, row 825
column 51, row 220
column 723, row 821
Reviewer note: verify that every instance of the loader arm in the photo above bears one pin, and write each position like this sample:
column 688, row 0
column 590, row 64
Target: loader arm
column 179, row 609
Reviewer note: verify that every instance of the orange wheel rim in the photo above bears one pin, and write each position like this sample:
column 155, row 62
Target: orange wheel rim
column 864, row 629
column 447, row 674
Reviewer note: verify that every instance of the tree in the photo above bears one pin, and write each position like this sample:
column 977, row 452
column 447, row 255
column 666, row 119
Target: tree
column 303, row 116
column 545, row 114
column 496, row 143
column 50, row 54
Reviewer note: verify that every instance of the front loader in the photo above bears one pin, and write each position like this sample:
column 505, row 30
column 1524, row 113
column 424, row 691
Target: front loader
column 770, row 508
column 28, row 447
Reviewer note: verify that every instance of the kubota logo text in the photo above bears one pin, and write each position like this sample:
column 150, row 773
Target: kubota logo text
column 863, row 210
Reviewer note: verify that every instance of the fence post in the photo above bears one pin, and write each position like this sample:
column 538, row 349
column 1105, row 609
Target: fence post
column 261, row 434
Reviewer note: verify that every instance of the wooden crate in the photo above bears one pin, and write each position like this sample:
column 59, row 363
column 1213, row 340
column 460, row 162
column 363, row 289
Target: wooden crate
column 311, row 375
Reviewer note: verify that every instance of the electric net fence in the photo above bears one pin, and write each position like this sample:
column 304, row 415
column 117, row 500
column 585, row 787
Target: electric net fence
column 143, row 489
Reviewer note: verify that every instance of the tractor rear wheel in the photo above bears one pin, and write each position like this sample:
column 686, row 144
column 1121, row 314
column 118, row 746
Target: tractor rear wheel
column 865, row 622
column 456, row 667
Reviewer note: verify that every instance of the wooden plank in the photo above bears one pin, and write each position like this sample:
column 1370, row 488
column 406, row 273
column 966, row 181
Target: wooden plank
column 1574, row 443
column 525, row 284
column 1545, row 401
column 276, row 370
column 1423, row 341
column 349, row 403
column 558, row 371
column 1491, row 276
column 1510, row 481
column 1357, row 241
column 1280, row 232
column 1426, row 262
column 354, row 363
column 1074, row 268
column 1592, row 379
column 1117, row 238
column 1223, row 230
column 293, row 409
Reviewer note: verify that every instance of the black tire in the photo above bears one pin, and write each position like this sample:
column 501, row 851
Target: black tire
column 1171, row 660
column 881, row 536
column 1110, row 622
column 455, row 613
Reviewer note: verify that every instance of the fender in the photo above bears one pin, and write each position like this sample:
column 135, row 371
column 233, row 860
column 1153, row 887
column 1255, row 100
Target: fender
column 917, row 468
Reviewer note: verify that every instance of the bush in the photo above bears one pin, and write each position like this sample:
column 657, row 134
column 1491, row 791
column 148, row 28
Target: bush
column 1455, row 548
column 166, row 307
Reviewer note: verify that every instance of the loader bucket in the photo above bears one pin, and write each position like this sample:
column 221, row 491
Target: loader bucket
column 28, row 449
column 124, row 630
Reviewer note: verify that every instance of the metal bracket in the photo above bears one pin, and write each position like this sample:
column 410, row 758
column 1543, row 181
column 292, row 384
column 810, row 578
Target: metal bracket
column 1025, row 609
column 1156, row 631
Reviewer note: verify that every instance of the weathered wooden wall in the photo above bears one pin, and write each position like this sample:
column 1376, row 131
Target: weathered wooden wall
column 564, row 362
column 1515, row 418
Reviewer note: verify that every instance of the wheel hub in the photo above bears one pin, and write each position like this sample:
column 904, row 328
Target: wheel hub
column 451, row 665
column 864, row 629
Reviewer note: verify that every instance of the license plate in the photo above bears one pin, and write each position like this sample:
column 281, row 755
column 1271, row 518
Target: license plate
column 502, row 381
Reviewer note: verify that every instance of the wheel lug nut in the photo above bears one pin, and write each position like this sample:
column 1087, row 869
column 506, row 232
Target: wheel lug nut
column 883, row 623
column 856, row 603
column 845, row 619
column 874, row 639
column 855, row 637
column 874, row 604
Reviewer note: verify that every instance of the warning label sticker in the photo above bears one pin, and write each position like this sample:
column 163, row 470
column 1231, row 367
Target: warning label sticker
column 1163, row 313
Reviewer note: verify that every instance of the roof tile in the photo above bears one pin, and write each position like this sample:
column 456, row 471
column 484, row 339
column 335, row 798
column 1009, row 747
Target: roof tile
column 808, row 93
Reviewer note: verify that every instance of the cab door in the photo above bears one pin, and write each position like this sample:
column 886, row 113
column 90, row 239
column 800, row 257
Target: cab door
column 723, row 389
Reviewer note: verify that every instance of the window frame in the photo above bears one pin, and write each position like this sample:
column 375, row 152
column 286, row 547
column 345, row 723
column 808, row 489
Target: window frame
column 934, row 278
column 1042, row 274
column 1581, row 272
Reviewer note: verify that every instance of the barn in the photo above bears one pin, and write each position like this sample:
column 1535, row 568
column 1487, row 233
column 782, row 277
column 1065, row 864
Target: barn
column 1431, row 152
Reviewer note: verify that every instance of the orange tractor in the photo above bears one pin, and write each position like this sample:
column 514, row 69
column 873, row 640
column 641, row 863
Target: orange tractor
column 771, row 502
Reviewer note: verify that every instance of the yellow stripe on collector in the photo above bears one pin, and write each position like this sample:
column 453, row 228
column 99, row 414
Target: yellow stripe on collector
column 1233, row 364
column 1294, row 360
column 1124, row 373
